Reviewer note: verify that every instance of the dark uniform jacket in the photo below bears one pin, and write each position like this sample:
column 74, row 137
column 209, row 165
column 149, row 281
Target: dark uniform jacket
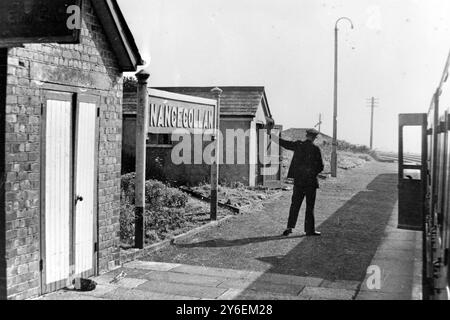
column 306, row 164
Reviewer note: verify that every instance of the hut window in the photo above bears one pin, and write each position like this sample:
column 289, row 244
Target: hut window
column 160, row 140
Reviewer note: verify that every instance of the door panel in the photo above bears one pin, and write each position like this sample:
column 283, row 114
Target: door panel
column 85, row 189
column 57, row 199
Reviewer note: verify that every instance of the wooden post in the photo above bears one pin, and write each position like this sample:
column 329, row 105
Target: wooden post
column 141, row 148
column 215, row 166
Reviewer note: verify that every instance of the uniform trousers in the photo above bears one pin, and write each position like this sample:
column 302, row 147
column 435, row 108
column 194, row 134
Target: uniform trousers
column 300, row 193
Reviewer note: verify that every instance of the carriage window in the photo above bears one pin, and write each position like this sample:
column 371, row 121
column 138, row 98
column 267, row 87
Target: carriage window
column 412, row 144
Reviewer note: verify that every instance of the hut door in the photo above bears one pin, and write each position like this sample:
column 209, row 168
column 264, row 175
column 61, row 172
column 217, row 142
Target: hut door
column 69, row 184
column 85, row 187
column 56, row 190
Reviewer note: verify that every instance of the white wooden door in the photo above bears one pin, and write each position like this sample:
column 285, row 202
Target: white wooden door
column 69, row 184
column 57, row 191
column 85, row 185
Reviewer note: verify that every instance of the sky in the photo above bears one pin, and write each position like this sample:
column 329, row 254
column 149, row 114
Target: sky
column 396, row 53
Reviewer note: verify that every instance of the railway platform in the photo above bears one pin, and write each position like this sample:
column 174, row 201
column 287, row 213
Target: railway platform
column 399, row 259
column 246, row 258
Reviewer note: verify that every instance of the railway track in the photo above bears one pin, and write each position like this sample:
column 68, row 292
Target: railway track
column 393, row 157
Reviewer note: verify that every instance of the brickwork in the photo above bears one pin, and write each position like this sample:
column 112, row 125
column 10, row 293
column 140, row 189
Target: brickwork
column 3, row 71
column 91, row 65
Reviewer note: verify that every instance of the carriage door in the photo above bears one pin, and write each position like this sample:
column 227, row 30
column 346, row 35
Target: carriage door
column 68, row 197
column 412, row 173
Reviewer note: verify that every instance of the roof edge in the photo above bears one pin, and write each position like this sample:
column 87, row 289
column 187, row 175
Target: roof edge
column 121, row 38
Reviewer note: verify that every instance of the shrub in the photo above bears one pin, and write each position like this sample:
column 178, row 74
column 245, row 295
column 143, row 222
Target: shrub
column 164, row 221
column 165, row 210
column 158, row 223
column 157, row 194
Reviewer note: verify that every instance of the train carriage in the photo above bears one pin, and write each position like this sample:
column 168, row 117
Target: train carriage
column 424, row 203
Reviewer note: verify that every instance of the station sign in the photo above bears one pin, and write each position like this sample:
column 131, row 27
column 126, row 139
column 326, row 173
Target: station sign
column 39, row 21
column 170, row 111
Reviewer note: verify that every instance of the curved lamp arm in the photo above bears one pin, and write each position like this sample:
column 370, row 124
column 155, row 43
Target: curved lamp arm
column 344, row 18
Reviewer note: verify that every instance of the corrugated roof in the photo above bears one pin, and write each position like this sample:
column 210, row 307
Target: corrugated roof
column 235, row 101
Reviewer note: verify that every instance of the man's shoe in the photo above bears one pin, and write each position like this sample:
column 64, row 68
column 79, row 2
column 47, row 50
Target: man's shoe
column 313, row 234
column 287, row 232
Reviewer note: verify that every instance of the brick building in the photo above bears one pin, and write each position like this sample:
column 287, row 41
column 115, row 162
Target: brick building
column 60, row 154
column 244, row 110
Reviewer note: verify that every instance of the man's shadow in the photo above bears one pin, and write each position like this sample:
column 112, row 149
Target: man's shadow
column 350, row 237
column 223, row 243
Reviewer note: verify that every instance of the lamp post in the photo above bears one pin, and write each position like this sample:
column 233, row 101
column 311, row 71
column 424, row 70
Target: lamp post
column 335, row 114
column 141, row 142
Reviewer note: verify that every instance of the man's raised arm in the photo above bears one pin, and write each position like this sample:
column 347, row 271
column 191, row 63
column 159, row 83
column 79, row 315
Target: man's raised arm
column 289, row 145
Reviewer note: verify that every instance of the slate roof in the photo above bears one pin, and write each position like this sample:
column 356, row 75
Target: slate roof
column 235, row 101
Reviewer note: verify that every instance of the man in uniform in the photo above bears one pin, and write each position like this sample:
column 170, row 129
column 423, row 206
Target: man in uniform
column 305, row 167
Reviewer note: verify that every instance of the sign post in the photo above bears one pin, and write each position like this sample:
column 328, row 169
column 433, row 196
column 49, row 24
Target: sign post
column 215, row 165
column 141, row 149
column 181, row 117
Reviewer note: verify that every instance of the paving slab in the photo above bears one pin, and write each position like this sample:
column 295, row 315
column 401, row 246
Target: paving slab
column 131, row 283
column 174, row 277
column 133, row 294
column 393, row 244
column 64, row 295
column 100, row 291
column 328, row 293
column 214, row 272
column 402, row 235
column 383, row 296
column 231, row 294
column 243, row 294
column 129, row 273
column 261, row 286
column 407, row 256
column 249, row 295
column 341, row 284
column 154, row 266
column 182, row 289
column 290, row 280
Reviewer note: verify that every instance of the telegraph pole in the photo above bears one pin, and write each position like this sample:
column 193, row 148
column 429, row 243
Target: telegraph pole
column 373, row 104
column 319, row 125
